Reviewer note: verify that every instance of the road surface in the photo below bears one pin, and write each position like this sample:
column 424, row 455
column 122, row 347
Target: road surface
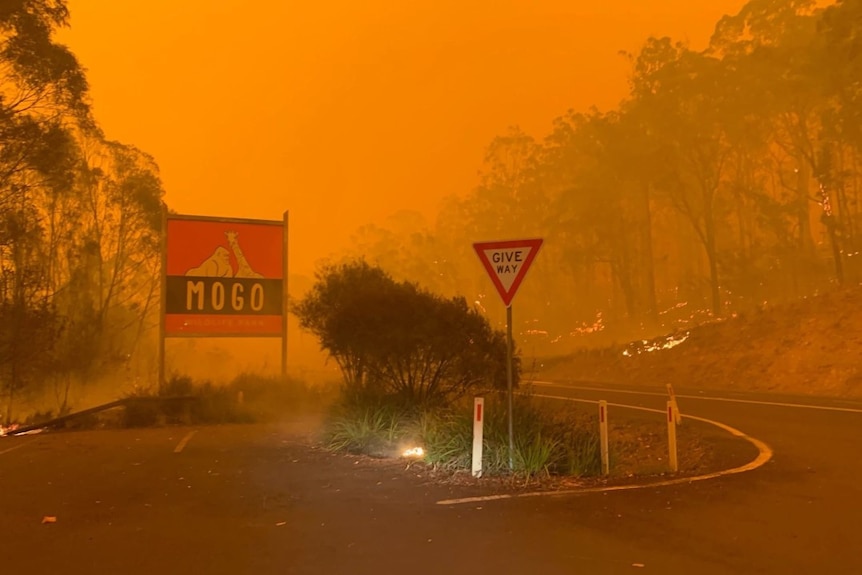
column 256, row 499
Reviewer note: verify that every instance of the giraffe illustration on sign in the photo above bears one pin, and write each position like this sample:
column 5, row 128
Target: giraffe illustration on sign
column 219, row 265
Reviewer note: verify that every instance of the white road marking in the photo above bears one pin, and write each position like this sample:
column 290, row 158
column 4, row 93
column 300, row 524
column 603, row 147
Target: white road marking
column 16, row 447
column 764, row 454
column 705, row 398
column 182, row 444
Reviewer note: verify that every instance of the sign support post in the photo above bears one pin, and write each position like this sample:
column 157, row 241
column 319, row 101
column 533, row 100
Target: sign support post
column 163, row 287
column 285, row 302
column 509, row 345
column 507, row 263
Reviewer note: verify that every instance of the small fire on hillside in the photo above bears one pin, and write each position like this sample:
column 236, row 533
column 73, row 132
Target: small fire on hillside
column 657, row 344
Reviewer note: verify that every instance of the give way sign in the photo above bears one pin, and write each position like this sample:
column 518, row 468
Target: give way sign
column 507, row 263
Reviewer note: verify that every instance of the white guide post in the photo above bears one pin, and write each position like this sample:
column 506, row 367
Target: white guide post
column 672, row 395
column 671, row 436
column 478, row 421
column 603, row 434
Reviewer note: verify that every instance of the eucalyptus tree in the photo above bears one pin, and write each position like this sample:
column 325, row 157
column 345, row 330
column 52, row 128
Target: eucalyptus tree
column 840, row 33
column 773, row 45
column 682, row 102
column 108, row 258
column 42, row 95
column 406, row 247
column 509, row 202
column 600, row 216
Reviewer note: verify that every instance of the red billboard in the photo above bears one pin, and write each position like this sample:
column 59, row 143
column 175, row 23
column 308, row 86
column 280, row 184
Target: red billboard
column 223, row 277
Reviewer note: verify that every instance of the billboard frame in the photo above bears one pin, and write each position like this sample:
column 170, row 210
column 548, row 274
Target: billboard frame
column 163, row 333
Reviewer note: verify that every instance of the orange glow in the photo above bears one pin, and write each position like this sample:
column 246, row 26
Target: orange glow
column 345, row 112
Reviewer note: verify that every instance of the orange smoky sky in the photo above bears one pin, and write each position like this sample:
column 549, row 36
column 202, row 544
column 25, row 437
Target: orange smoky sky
column 345, row 112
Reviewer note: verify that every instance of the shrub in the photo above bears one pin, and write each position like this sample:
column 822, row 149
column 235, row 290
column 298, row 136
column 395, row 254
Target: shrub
column 372, row 430
column 534, row 455
column 549, row 440
column 394, row 339
column 447, row 438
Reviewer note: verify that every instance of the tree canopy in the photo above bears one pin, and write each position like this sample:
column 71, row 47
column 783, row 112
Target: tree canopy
column 79, row 219
column 729, row 178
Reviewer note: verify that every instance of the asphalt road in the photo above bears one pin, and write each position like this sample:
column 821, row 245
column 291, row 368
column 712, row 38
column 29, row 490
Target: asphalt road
column 255, row 499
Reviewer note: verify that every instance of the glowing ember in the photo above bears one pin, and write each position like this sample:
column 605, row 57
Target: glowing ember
column 596, row 326
column 414, row 452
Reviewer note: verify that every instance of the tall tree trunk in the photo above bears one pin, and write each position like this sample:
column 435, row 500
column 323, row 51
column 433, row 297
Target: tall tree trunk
column 806, row 242
column 646, row 241
column 824, row 170
column 712, row 257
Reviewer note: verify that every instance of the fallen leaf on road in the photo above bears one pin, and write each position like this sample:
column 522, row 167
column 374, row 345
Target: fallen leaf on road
column 49, row 519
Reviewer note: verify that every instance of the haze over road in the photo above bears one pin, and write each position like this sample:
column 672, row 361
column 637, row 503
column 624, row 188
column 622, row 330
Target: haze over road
column 253, row 499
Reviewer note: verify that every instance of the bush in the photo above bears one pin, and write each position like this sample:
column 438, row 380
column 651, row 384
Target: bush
column 447, row 438
column 373, row 432
column 395, row 340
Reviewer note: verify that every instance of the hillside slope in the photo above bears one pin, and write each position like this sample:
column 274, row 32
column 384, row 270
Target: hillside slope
column 812, row 346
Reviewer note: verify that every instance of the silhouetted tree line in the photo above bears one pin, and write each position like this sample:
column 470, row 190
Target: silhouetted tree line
column 727, row 178
column 79, row 219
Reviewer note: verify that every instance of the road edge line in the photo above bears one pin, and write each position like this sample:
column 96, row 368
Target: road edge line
column 765, row 453
column 576, row 387
column 17, row 447
column 182, row 444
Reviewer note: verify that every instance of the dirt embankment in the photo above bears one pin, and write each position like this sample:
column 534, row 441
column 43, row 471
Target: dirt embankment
column 812, row 346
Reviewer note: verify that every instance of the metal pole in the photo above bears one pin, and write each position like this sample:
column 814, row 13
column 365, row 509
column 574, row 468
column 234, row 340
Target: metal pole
column 163, row 296
column 509, row 382
column 284, row 297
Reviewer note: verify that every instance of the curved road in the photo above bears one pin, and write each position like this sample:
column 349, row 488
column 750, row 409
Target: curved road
column 254, row 499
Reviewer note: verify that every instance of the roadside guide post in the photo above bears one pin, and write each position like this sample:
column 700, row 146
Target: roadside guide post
column 507, row 263
column 672, row 395
column 603, row 434
column 478, row 422
column 671, row 436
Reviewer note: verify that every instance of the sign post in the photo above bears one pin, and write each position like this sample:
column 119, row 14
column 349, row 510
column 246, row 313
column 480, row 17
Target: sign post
column 507, row 263
column 163, row 297
column 284, row 298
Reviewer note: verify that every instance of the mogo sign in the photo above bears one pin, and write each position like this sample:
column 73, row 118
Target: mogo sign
column 224, row 277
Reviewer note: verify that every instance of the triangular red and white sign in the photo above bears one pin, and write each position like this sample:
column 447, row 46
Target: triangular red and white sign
column 507, row 263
